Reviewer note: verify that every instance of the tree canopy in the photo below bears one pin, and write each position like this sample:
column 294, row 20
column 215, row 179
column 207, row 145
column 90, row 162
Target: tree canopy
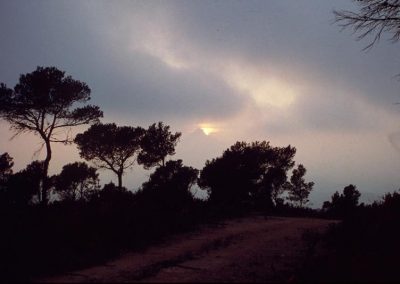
column 110, row 146
column 44, row 103
column 6, row 164
column 343, row 204
column 247, row 172
column 77, row 181
column 298, row 189
column 21, row 187
column 157, row 143
column 169, row 186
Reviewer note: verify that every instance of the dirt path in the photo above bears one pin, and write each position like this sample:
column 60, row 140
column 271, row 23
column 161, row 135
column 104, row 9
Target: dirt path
column 252, row 249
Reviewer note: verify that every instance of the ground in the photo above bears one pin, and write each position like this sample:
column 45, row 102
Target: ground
column 250, row 249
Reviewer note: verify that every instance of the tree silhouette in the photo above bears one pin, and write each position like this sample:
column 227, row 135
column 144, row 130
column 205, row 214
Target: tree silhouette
column 373, row 18
column 6, row 164
column 170, row 184
column 77, row 181
column 391, row 203
column 110, row 146
column 157, row 143
column 351, row 195
column 298, row 190
column 112, row 194
column 342, row 205
column 23, row 185
column 43, row 102
column 273, row 181
column 276, row 176
column 246, row 173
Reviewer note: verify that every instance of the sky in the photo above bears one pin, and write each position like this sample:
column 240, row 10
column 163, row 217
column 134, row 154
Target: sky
column 220, row 72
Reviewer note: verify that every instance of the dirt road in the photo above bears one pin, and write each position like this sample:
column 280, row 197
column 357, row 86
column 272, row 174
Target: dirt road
column 251, row 249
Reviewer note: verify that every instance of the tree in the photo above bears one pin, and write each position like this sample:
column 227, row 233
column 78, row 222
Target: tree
column 170, row 184
column 373, row 18
column 6, row 164
column 77, row 181
column 22, row 186
column 276, row 176
column 117, row 196
column 351, row 195
column 246, row 173
column 157, row 143
column 110, row 146
column 342, row 205
column 391, row 204
column 298, row 190
column 274, row 180
column 43, row 102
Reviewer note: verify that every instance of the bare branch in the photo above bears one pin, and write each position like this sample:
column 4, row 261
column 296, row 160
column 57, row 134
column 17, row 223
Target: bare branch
column 374, row 18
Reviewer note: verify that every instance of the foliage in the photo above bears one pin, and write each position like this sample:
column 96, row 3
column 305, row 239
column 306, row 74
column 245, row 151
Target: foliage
column 43, row 102
column 364, row 247
column 110, row 146
column 247, row 173
column 169, row 186
column 374, row 17
column 343, row 205
column 298, row 190
column 22, row 186
column 77, row 181
column 391, row 200
column 157, row 143
column 112, row 193
column 6, row 164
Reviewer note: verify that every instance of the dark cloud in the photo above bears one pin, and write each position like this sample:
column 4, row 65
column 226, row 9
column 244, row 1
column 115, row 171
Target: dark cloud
column 148, row 88
column 59, row 34
column 300, row 36
column 90, row 41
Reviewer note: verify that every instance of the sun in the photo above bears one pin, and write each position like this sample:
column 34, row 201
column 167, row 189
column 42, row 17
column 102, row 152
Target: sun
column 208, row 129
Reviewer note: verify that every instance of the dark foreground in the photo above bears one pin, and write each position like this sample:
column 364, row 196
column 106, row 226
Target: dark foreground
column 251, row 249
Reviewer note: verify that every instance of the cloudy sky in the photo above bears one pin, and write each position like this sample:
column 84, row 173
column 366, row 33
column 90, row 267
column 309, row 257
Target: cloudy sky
column 219, row 72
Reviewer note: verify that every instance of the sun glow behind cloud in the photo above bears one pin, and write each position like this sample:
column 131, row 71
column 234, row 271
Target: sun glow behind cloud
column 208, row 129
column 263, row 91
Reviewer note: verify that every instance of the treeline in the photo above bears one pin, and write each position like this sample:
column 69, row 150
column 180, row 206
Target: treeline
column 49, row 104
column 247, row 175
column 84, row 223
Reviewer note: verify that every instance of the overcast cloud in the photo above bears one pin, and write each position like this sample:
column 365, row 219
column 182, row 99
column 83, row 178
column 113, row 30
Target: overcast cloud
column 266, row 70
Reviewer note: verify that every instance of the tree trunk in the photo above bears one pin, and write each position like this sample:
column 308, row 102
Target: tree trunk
column 45, row 179
column 81, row 191
column 119, row 180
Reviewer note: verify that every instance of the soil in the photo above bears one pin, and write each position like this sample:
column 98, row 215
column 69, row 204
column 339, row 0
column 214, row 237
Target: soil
column 250, row 249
